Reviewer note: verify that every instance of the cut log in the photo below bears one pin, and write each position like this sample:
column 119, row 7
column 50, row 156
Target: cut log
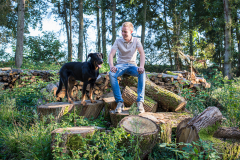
column 144, row 128
column 166, row 121
column 227, row 133
column 168, row 100
column 57, row 109
column 71, row 138
column 90, row 110
column 188, row 131
column 109, row 104
column 130, row 96
column 51, row 87
column 117, row 117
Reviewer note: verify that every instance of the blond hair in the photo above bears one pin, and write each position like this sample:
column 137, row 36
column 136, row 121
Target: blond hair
column 128, row 24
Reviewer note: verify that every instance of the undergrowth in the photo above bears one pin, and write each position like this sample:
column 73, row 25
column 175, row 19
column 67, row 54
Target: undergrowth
column 24, row 136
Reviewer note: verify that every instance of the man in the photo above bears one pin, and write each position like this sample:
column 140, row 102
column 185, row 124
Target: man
column 127, row 47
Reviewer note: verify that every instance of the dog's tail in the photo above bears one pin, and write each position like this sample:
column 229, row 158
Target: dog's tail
column 59, row 87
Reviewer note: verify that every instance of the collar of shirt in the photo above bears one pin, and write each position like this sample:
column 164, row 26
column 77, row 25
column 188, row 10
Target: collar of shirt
column 129, row 41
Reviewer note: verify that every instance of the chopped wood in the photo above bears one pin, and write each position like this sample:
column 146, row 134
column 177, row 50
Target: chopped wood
column 71, row 135
column 144, row 128
column 227, row 132
column 117, row 117
column 187, row 131
column 6, row 69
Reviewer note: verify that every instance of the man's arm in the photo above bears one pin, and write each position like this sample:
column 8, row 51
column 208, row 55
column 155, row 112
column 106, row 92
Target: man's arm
column 110, row 61
column 142, row 60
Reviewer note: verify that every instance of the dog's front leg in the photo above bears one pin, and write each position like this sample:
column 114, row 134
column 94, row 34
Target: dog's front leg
column 84, row 93
column 91, row 93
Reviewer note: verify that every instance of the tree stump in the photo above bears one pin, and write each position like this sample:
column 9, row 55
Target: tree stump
column 166, row 121
column 168, row 100
column 57, row 109
column 227, row 133
column 117, row 117
column 187, row 131
column 145, row 129
column 71, row 138
column 109, row 104
column 129, row 96
column 90, row 110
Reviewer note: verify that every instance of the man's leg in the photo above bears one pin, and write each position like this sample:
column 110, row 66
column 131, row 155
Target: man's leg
column 121, row 69
column 132, row 70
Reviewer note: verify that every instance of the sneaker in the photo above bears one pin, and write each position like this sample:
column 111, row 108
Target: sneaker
column 140, row 107
column 120, row 107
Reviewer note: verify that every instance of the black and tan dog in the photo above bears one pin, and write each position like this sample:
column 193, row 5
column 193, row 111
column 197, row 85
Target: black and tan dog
column 87, row 72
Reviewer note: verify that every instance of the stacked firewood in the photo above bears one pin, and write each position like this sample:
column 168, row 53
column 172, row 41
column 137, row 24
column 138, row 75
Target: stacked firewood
column 8, row 77
column 175, row 80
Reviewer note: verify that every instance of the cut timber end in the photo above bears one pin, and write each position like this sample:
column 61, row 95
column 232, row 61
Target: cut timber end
column 71, row 137
column 166, row 121
column 57, row 109
column 144, row 128
column 117, row 117
column 137, row 124
column 89, row 110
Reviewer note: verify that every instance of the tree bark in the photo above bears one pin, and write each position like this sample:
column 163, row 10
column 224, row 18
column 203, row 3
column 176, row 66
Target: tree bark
column 144, row 14
column 238, row 41
column 104, row 40
column 168, row 100
column 229, row 133
column 227, row 41
column 144, row 128
column 187, row 131
column 113, row 21
column 190, row 28
column 68, row 31
column 98, row 30
column 167, row 35
column 20, row 34
column 80, row 47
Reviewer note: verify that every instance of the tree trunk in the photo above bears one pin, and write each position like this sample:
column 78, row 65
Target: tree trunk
column 20, row 34
column 67, row 29
column 104, row 40
column 167, row 35
column 187, row 131
column 117, row 117
column 166, row 121
column 80, row 45
column 144, row 14
column 227, row 41
column 168, row 100
column 90, row 110
column 98, row 30
column 129, row 96
column 238, row 41
column 145, row 130
column 190, row 28
column 71, row 137
column 57, row 109
column 113, row 21
column 229, row 133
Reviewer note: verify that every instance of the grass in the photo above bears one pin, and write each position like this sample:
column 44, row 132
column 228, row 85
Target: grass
column 24, row 136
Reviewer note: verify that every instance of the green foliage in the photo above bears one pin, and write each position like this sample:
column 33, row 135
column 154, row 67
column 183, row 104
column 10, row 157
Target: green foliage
column 196, row 150
column 46, row 48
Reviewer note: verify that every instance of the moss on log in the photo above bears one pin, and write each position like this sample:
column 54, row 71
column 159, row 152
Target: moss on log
column 168, row 100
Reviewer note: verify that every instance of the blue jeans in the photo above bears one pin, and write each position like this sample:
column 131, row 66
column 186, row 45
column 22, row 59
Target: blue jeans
column 129, row 69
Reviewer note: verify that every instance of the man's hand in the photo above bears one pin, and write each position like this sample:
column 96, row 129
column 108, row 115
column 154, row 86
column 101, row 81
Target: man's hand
column 113, row 69
column 140, row 70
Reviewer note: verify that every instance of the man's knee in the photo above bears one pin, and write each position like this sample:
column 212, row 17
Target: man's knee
column 112, row 75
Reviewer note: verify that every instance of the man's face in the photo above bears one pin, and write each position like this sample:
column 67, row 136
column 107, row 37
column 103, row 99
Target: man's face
column 126, row 33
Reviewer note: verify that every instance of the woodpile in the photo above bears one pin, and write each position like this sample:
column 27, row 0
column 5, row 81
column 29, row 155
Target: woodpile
column 174, row 81
column 9, row 77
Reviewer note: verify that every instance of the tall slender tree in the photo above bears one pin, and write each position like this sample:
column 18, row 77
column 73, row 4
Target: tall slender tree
column 144, row 15
column 20, row 34
column 113, row 21
column 81, row 36
column 227, row 41
column 104, row 32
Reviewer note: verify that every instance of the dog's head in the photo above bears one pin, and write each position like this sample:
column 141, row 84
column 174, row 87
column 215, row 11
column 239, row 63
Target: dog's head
column 96, row 59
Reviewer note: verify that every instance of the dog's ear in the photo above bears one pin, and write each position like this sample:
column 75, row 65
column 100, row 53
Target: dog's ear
column 90, row 55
